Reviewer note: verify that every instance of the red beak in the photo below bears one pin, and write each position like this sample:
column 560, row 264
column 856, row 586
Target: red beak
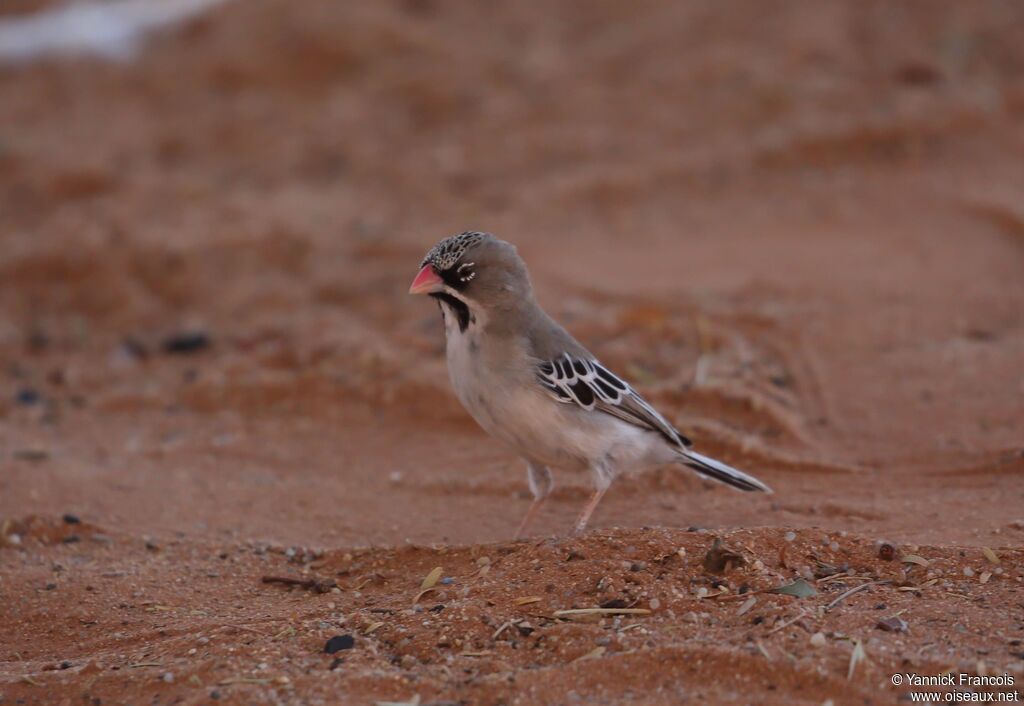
column 426, row 281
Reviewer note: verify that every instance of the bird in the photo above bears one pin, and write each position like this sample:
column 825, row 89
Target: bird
column 531, row 385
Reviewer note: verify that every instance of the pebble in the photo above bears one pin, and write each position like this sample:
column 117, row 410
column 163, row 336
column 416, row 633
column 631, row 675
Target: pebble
column 70, row 519
column 338, row 643
column 789, row 536
column 27, row 396
column 968, row 571
column 168, row 677
column 654, row 603
column 818, row 639
column 186, row 342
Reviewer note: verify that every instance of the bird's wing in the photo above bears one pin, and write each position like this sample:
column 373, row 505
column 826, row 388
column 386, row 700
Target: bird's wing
column 587, row 383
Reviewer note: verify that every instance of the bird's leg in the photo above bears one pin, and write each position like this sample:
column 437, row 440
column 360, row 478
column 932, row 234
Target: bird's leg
column 541, row 482
column 588, row 510
column 534, row 506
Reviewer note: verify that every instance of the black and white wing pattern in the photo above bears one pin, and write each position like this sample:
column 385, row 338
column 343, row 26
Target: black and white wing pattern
column 590, row 385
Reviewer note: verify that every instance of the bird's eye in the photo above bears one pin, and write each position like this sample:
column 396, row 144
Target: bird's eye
column 464, row 273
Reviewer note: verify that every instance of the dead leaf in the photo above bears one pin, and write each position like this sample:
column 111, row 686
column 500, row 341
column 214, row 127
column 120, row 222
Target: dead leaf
column 593, row 654
column 990, row 555
column 747, row 605
column 799, row 589
column 915, row 559
column 526, row 600
column 432, row 578
column 856, row 657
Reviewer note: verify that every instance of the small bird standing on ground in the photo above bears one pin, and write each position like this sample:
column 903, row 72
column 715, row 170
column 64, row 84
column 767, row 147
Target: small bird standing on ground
column 530, row 384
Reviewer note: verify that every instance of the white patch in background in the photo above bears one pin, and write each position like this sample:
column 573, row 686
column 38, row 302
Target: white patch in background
column 113, row 29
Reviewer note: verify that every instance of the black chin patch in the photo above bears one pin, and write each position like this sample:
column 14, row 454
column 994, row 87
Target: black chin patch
column 458, row 306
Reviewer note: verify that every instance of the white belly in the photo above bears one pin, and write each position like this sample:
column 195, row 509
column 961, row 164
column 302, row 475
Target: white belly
column 512, row 407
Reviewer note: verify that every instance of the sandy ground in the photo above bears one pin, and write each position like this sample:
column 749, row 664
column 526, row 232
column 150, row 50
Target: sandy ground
column 796, row 227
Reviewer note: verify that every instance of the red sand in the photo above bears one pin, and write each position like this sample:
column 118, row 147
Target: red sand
column 819, row 202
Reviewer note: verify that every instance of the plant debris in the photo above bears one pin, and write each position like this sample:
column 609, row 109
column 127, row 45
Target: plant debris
column 432, row 578
column 856, row 657
column 593, row 654
column 573, row 612
column 721, row 559
column 842, row 597
column 314, row 584
column 527, row 600
column 799, row 588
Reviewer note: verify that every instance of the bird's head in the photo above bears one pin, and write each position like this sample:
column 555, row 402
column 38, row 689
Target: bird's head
column 475, row 269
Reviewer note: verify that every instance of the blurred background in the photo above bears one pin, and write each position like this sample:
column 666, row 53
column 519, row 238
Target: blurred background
column 797, row 226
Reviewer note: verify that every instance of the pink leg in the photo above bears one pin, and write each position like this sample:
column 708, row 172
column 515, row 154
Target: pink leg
column 534, row 506
column 588, row 510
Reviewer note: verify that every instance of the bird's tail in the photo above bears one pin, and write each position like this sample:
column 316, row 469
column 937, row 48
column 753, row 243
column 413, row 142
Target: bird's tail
column 717, row 470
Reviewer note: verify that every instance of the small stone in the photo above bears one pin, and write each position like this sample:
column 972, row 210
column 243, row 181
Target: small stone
column 886, row 552
column 187, row 342
column 215, row 695
column 968, row 571
column 818, row 639
column 71, row 539
column 65, row 665
column 789, row 536
column 70, row 519
column 168, row 677
column 338, row 643
column 893, row 624
column 27, row 396
column 654, row 604
column 51, row 586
